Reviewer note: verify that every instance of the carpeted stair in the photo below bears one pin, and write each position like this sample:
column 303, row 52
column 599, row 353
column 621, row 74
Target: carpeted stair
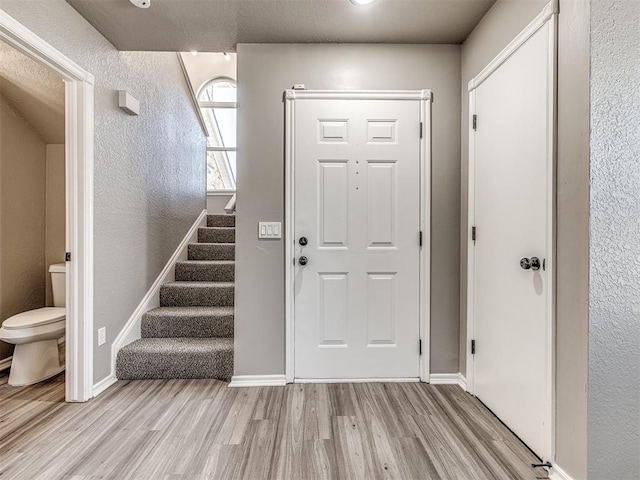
column 191, row 334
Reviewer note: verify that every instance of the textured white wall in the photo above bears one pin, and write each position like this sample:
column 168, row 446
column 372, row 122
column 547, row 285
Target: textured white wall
column 614, row 296
column 264, row 72
column 149, row 170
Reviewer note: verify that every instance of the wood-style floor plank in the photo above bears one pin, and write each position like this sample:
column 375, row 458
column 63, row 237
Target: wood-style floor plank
column 203, row 430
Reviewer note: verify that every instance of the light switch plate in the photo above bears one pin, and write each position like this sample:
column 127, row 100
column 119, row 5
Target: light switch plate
column 102, row 336
column 269, row 230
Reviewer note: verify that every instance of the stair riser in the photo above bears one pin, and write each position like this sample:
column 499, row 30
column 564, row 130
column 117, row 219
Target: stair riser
column 211, row 252
column 193, row 272
column 168, row 365
column 190, row 296
column 195, row 327
column 221, row 220
column 216, row 235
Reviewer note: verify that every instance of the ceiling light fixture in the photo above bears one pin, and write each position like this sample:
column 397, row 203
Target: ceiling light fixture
column 141, row 3
column 194, row 52
column 226, row 56
column 361, row 3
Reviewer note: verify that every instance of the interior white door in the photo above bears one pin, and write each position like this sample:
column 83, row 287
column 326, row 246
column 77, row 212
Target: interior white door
column 357, row 204
column 512, row 194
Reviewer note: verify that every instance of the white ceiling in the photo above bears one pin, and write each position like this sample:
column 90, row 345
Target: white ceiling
column 219, row 25
column 34, row 92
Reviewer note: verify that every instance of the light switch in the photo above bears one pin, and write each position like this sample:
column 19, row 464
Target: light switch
column 269, row 230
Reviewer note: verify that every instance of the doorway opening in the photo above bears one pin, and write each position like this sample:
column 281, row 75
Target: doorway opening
column 77, row 158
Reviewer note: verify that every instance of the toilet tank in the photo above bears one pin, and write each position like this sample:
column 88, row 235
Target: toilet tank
column 58, row 273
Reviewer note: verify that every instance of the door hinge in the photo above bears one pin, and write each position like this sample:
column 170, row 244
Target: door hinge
column 421, row 129
column 420, row 237
column 475, row 122
column 474, row 233
column 67, row 257
column 473, row 347
column 420, row 346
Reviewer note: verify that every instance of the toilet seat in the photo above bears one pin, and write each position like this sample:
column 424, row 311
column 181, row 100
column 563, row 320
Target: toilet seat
column 34, row 318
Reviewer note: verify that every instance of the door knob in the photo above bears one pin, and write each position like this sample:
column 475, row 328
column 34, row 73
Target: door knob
column 532, row 263
column 303, row 241
column 303, row 261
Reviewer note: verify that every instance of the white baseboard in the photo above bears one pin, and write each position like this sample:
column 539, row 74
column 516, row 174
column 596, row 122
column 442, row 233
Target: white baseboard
column 103, row 384
column 448, row 379
column 357, row 380
column 131, row 330
column 556, row 473
column 5, row 363
column 258, row 381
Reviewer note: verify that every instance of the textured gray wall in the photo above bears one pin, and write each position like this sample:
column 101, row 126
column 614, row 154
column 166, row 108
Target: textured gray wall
column 614, row 294
column 264, row 72
column 149, row 170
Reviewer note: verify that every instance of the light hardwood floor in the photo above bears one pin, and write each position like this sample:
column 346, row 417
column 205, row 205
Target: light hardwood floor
column 201, row 429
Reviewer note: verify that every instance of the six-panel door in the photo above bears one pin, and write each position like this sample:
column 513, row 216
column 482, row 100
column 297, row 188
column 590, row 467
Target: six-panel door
column 357, row 202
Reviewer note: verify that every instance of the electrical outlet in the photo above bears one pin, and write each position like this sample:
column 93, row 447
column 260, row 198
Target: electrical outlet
column 102, row 336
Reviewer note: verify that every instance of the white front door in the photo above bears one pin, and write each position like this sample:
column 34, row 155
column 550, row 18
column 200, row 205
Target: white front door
column 513, row 247
column 357, row 225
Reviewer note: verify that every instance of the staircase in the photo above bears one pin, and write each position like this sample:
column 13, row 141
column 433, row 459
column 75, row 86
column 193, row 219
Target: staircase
column 191, row 334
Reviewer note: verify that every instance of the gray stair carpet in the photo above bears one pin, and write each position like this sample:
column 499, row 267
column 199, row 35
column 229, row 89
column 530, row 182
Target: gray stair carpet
column 191, row 334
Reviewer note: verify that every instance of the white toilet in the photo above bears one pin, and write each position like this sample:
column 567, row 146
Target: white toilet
column 35, row 334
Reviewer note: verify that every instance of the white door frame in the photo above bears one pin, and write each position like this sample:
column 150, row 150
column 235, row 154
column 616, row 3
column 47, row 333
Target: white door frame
column 424, row 97
column 548, row 14
column 79, row 118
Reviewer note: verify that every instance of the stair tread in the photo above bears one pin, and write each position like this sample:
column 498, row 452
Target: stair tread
column 226, row 244
column 190, row 311
column 179, row 345
column 207, row 262
column 197, row 285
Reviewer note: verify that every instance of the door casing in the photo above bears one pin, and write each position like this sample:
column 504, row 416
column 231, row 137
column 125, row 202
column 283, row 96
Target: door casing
column 422, row 96
column 548, row 14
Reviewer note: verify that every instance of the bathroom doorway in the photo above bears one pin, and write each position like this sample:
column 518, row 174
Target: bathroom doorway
column 32, row 218
column 46, row 223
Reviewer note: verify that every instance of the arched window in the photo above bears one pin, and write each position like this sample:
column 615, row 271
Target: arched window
column 218, row 103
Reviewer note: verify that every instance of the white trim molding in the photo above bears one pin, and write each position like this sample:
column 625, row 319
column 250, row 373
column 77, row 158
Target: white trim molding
column 413, row 95
column 536, row 24
column 5, row 363
column 425, row 98
column 103, row 384
column 556, row 473
column 79, row 131
column 131, row 330
column 448, row 379
column 548, row 15
column 258, row 381
column 358, row 380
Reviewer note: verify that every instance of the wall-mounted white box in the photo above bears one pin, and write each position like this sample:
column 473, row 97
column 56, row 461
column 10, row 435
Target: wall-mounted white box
column 269, row 230
column 128, row 103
